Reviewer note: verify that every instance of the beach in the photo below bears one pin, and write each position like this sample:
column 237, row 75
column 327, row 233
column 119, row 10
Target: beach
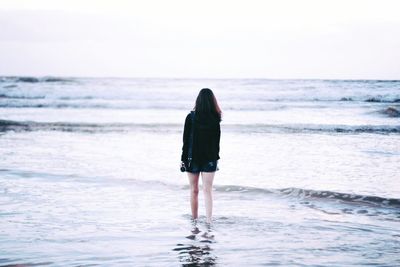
column 308, row 175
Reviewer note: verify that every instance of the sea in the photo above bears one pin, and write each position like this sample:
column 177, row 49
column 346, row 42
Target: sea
column 309, row 173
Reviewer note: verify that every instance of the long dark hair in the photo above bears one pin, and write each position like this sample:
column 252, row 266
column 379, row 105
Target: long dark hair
column 206, row 103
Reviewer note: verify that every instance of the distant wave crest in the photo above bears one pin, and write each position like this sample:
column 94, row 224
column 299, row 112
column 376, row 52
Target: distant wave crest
column 18, row 126
column 29, row 79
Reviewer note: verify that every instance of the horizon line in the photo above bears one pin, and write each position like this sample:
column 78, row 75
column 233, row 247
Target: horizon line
column 195, row 78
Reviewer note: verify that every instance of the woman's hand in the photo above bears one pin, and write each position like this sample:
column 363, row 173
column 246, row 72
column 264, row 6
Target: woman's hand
column 183, row 167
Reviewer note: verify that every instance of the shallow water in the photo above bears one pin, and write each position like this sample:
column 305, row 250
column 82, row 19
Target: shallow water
column 305, row 178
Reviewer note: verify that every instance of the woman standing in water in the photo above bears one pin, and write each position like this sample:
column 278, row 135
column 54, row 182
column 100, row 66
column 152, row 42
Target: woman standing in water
column 203, row 145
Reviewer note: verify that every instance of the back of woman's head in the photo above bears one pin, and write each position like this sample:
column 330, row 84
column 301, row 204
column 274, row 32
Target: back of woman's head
column 206, row 103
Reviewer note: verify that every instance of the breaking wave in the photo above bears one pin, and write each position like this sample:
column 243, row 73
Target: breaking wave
column 316, row 194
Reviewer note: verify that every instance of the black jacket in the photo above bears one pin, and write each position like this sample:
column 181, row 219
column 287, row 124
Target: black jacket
column 206, row 137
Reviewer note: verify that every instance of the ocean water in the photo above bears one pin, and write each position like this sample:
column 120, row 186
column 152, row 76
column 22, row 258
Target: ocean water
column 309, row 173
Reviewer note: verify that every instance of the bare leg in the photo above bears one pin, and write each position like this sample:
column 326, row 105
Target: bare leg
column 194, row 193
column 208, row 178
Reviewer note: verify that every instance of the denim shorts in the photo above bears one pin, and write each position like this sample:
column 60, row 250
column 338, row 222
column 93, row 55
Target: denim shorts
column 210, row 166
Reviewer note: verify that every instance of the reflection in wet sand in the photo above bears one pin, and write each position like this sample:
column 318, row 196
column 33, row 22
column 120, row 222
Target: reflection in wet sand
column 199, row 251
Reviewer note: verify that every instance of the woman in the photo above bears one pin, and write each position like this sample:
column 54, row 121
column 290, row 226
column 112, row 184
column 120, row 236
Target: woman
column 205, row 148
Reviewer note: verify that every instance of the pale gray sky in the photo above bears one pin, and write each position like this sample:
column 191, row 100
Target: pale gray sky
column 355, row 39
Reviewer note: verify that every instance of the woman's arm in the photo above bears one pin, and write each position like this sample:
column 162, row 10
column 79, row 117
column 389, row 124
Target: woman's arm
column 218, row 138
column 186, row 132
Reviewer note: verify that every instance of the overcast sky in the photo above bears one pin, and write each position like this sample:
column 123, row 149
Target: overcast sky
column 337, row 39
